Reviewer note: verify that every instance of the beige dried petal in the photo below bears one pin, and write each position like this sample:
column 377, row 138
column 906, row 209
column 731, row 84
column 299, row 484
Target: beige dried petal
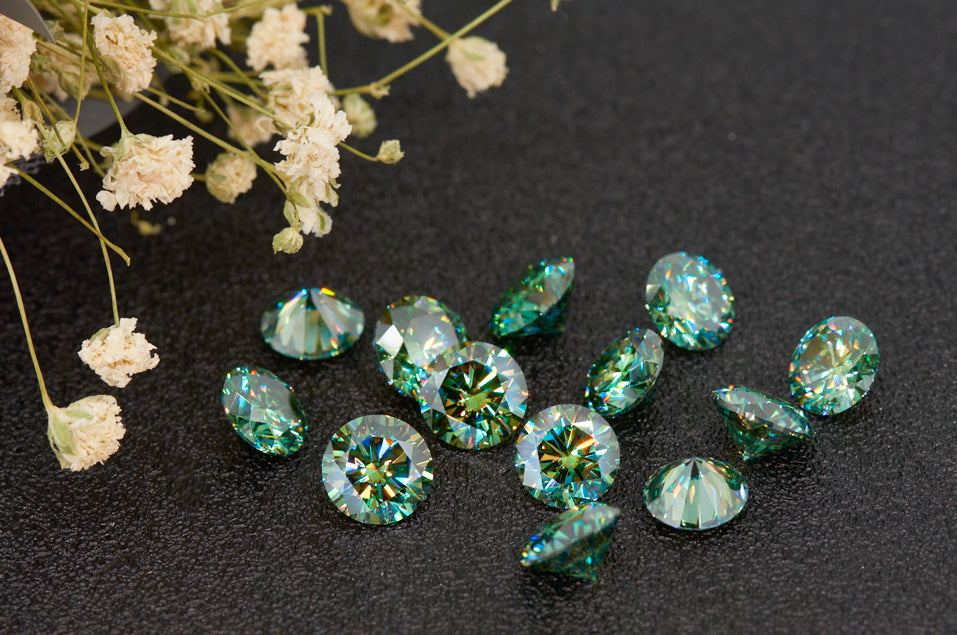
column 277, row 39
column 230, row 175
column 86, row 432
column 384, row 19
column 17, row 45
column 477, row 64
column 145, row 169
column 117, row 353
column 120, row 41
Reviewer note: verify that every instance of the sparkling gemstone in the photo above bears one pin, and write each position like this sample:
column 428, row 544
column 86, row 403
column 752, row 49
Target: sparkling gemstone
column 377, row 469
column 474, row 396
column 759, row 424
column 695, row 493
column 574, row 542
column 538, row 303
column 409, row 336
column 312, row 324
column 689, row 301
column 567, row 455
column 625, row 373
column 834, row 365
column 264, row 410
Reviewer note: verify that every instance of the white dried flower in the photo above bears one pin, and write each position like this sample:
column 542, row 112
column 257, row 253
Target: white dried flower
column 288, row 241
column 310, row 218
column 127, row 46
column 384, row 19
column 477, row 64
column 117, row 353
column 249, row 124
column 230, row 175
column 145, row 169
column 277, row 39
column 290, row 91
column 360, row 114
column 197, row 33
column 16, row 47
column 86, row 432
column 59, row 74
column 390, row 152
column 18, row 137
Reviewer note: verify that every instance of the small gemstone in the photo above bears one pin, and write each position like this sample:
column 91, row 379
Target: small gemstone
column 574, row 542
column 689, row 301
column 474, row 396
column 567, row 455
column 312, row 324
column 834, row 365
column 538, row 303
column 624, row 375
column 377, row 469
column 264, row 410
column 409, row 336
column 695, row 493
column 759, row 424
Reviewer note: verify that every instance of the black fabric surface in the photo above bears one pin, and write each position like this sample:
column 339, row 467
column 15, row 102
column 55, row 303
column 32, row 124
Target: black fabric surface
column 806, row 148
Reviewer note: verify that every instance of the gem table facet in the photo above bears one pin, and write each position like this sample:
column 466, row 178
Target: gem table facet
column 574, row 542
column 625, row 373
column 538, row 303
column 695, row 493
column 264, row 410
column 312, row 324
column 759, row 424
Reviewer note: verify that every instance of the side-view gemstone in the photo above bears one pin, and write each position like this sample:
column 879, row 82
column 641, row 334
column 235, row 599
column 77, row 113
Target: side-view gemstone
column 574, row 542
column 538, row 303
column 624, row 375
column 312, row 324
column 264, row 410
column 695, row 493
column 759, row 424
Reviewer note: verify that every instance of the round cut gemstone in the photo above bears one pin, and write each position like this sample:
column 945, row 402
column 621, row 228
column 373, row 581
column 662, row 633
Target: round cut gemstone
column 695, row 493
column 567, row 455
column 625, row 373
column 574, row 542
column 759, row 424
column 312, row 324
column 474, row 396
column 538, row 303
column 377, row 469
column 409, row 336
column 264, row 410
column 834, row 365
column 689, row 301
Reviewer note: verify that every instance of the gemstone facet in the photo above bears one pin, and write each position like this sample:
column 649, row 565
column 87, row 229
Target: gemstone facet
column 264, row 410
column 689, row 301
column 834, row 365
column 538, row 303
column 759, row 424
column 566, row 455
column 625, row 374
column 377, row 469
column 474, row 396
column 314, row 323
column 409, row 336
column 574, row 542
column 695, row 493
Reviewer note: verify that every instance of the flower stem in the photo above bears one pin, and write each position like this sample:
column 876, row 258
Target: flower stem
column 358, row 153
column 431, row 26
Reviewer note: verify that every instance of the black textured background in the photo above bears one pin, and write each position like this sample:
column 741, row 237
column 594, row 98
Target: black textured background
column 807, row 148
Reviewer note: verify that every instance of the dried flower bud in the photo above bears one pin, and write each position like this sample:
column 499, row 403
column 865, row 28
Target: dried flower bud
column 230, row 175
column 116, row 353
column 288, row 241
column 58, row 138
column 477, row 64
column 86, row 432
column 390, row 152
column 384, row 18
column 360, row 114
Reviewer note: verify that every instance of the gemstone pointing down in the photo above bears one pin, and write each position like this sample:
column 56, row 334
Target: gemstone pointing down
column 312, row 324
column 264, row 410
column 759, row 424
column 574, row 542
column 538, row 303
column 695, row 493
column 624, row 375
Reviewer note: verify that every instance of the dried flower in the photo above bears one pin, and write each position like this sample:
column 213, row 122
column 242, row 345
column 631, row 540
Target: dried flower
column 290, row 91
column 16, row 47
column 249, row 124
column 477, row 64
column 198, row 33
column 360, row 114
column 86, row 432
column 277, row 39
column 384, row 19
column 230, row 175
column 58, row 73
column 117, row 353
column 288, row 241
column 390, row 151
column 18, row 137
column 127, row 47
column 145, row 169
column 58, row 138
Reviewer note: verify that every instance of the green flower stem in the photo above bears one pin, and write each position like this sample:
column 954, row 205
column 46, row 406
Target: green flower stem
column 165, row 96
column 237, row 72
column 358, row 153
column 431, row 26
column 116, row 111
column 169, row 14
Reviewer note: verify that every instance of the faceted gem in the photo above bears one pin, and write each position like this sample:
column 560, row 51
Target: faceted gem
column 474, row 396
column 538, row 303
column 625, row 373
column 377, row 469
column 695, row 493
column 689, row 301
column 834, row 365
column 567, row 455
column 264, row 410
column 574, row 542
column 759, row 424
column 409, row 336
column 312, row 324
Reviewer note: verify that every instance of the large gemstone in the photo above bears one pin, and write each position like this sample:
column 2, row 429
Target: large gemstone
column 625, row 373
column 759, row 424
column 538, row 303
column 695, row 493
column 312, row 324
column 834, row 365
column 264, row 410
column 474, row 396
column 409, row 336
column 567, row 455
column 689, row 301
column 377, row 469
column 574, row 542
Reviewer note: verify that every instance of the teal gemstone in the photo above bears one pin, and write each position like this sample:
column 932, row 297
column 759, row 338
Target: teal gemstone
column 834, row 365
column 538, row 303
column 264, row 410
column 312, row 324
column 689, row 301
column 377, row 469
column 695, row 494
column 759, row 424
column 574, row 542
column 624, row 375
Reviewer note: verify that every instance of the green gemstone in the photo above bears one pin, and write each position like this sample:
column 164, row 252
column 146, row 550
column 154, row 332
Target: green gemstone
column 538, row 303
column 695, row 493
column 689, row 301
column 834, row 365
column 409, row 336
column 264, row 410
column 624, row 375
column 574, row 542
column 312, row 324
column 377, row 469
column 759, row 424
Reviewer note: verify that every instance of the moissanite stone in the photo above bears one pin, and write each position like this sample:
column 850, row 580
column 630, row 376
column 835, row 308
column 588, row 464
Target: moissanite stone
column 689, row 301
column 538, row 303
column 834, row 365
column 312, row 324
column 567, row 455
column 574, row 542
column 377, row 469
column 759, row 424
column 409, row 336
column 625, row 373
column 474, row 396
column 695, row 493
column 264, row 410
